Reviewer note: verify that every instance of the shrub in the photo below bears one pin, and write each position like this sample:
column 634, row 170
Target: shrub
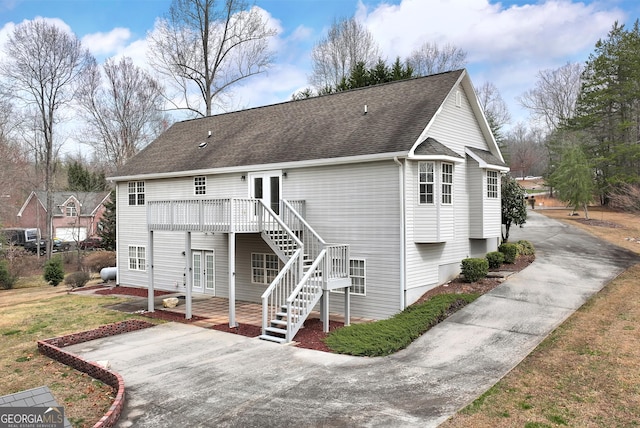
column 77, row 279
column 53, row 271
column 510, row 252
column 385, row 337
column 525, row 248
column 98, row 260
column 495, row 259
column 474, row 269
column 7, row 279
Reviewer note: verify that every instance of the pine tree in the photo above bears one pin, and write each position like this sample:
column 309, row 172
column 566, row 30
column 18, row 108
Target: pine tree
column 107, row 224
column 573, row 179
column 608, row 109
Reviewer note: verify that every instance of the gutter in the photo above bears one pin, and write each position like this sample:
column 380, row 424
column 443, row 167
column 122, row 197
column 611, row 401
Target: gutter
column 403, row 237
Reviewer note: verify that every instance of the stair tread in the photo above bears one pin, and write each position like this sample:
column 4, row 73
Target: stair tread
column 272, row 338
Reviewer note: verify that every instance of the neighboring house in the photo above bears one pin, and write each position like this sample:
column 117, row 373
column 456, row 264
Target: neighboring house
column 75, row 214
column 403, row 177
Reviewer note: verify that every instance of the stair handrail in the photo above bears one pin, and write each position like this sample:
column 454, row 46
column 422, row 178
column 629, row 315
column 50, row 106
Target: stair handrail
column 315, row 242
column 279, row 221
column 275, row 295
column 305, row 286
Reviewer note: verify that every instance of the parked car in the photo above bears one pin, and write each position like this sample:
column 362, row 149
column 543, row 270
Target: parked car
column 90, row 244
column 58, row 245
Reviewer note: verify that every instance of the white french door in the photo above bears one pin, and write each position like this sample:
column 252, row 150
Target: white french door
column 203, row 264
column 266, row 186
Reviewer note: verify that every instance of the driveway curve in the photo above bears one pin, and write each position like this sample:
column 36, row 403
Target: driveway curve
column 181, row 375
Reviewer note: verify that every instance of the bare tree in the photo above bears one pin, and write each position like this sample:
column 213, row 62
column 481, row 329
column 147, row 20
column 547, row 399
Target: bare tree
column 527, row 152
column 42, row 65
column 431, row 59
column 494, row 108
column 207, row 46
column 347, row 43
column 13, row 163
column 552, row 102
column 123, row 112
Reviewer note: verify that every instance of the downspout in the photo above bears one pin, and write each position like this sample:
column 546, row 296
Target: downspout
column 403, row 237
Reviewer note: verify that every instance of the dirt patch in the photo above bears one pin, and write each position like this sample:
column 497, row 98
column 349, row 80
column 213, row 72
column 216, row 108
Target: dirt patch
column 599, row 223
column 124, row 291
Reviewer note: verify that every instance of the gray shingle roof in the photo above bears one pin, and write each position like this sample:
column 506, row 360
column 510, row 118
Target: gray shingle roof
column 487, row 157
column 326, row 127
column 433, row 147
column 89, row 201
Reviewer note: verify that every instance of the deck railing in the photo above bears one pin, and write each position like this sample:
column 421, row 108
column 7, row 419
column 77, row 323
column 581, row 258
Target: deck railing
column 205, row 215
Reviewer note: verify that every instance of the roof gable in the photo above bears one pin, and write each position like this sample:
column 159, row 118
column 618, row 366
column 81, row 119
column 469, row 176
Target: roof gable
column 387, row 118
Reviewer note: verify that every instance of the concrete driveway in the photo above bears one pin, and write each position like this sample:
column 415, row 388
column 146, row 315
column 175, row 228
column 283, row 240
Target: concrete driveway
column 180, row 375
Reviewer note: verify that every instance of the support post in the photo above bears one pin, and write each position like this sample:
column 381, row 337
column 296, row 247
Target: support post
column 187, row 252
column 150, row 291
column 232, row 280
column 347, row 306
column 325, row 311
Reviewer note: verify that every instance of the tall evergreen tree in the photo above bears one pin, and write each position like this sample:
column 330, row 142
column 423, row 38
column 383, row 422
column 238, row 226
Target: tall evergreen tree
column 107, row 224
column 608, row 108
column 573, row 179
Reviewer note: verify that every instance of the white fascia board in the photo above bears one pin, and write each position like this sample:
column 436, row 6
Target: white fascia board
column 264, row 167
column 425, row 131
column 485, row 165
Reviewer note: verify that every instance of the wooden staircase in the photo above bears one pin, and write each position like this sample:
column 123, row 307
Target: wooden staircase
column 300, row 284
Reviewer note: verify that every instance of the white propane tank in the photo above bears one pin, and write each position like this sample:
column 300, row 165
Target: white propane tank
column 108, row 273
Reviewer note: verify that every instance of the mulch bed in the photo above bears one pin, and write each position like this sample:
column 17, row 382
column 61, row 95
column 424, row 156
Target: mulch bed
column 311, row 336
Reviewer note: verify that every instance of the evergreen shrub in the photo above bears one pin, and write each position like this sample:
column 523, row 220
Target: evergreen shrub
column 495, row 259
column 525, row 248
column 7, row 279
column 474, row 269
column 54, row 271
column 510, row 252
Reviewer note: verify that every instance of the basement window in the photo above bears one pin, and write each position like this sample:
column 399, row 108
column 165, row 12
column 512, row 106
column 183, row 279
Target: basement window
column 264, row 268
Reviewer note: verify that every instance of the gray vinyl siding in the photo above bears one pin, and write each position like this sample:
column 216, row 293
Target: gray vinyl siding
column 476, row 182
column 359, row 205
column 457, row 127
column 430, row 264
column 131, row 230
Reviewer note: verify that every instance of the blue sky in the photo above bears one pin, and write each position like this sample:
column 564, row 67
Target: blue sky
column 507, row 42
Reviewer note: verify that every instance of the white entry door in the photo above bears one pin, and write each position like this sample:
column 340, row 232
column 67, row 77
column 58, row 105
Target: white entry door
column 267, row 187
column 203, row 271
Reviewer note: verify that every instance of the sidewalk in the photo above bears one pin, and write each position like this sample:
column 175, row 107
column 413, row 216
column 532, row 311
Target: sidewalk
column 181, row 375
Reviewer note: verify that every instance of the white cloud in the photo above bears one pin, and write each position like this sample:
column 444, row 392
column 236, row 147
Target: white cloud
column 107, row 44
column 504, row 45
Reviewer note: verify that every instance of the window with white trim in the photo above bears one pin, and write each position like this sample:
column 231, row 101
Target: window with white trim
column 264, row 268
column 447, row 183
column 200, row 185
column 492, row 184
column 136, row 193
column 71, row 210
column 137, row 258
column 358, row 273
column 426, row 182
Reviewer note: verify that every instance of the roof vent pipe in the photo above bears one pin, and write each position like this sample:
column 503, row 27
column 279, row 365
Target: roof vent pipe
column 365, row 109
column 208, row 136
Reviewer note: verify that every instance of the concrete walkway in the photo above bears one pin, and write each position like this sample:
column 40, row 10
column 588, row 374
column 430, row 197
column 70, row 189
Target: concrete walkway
column 181, row 375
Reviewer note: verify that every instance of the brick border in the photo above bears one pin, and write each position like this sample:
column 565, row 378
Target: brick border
column 51, row 348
